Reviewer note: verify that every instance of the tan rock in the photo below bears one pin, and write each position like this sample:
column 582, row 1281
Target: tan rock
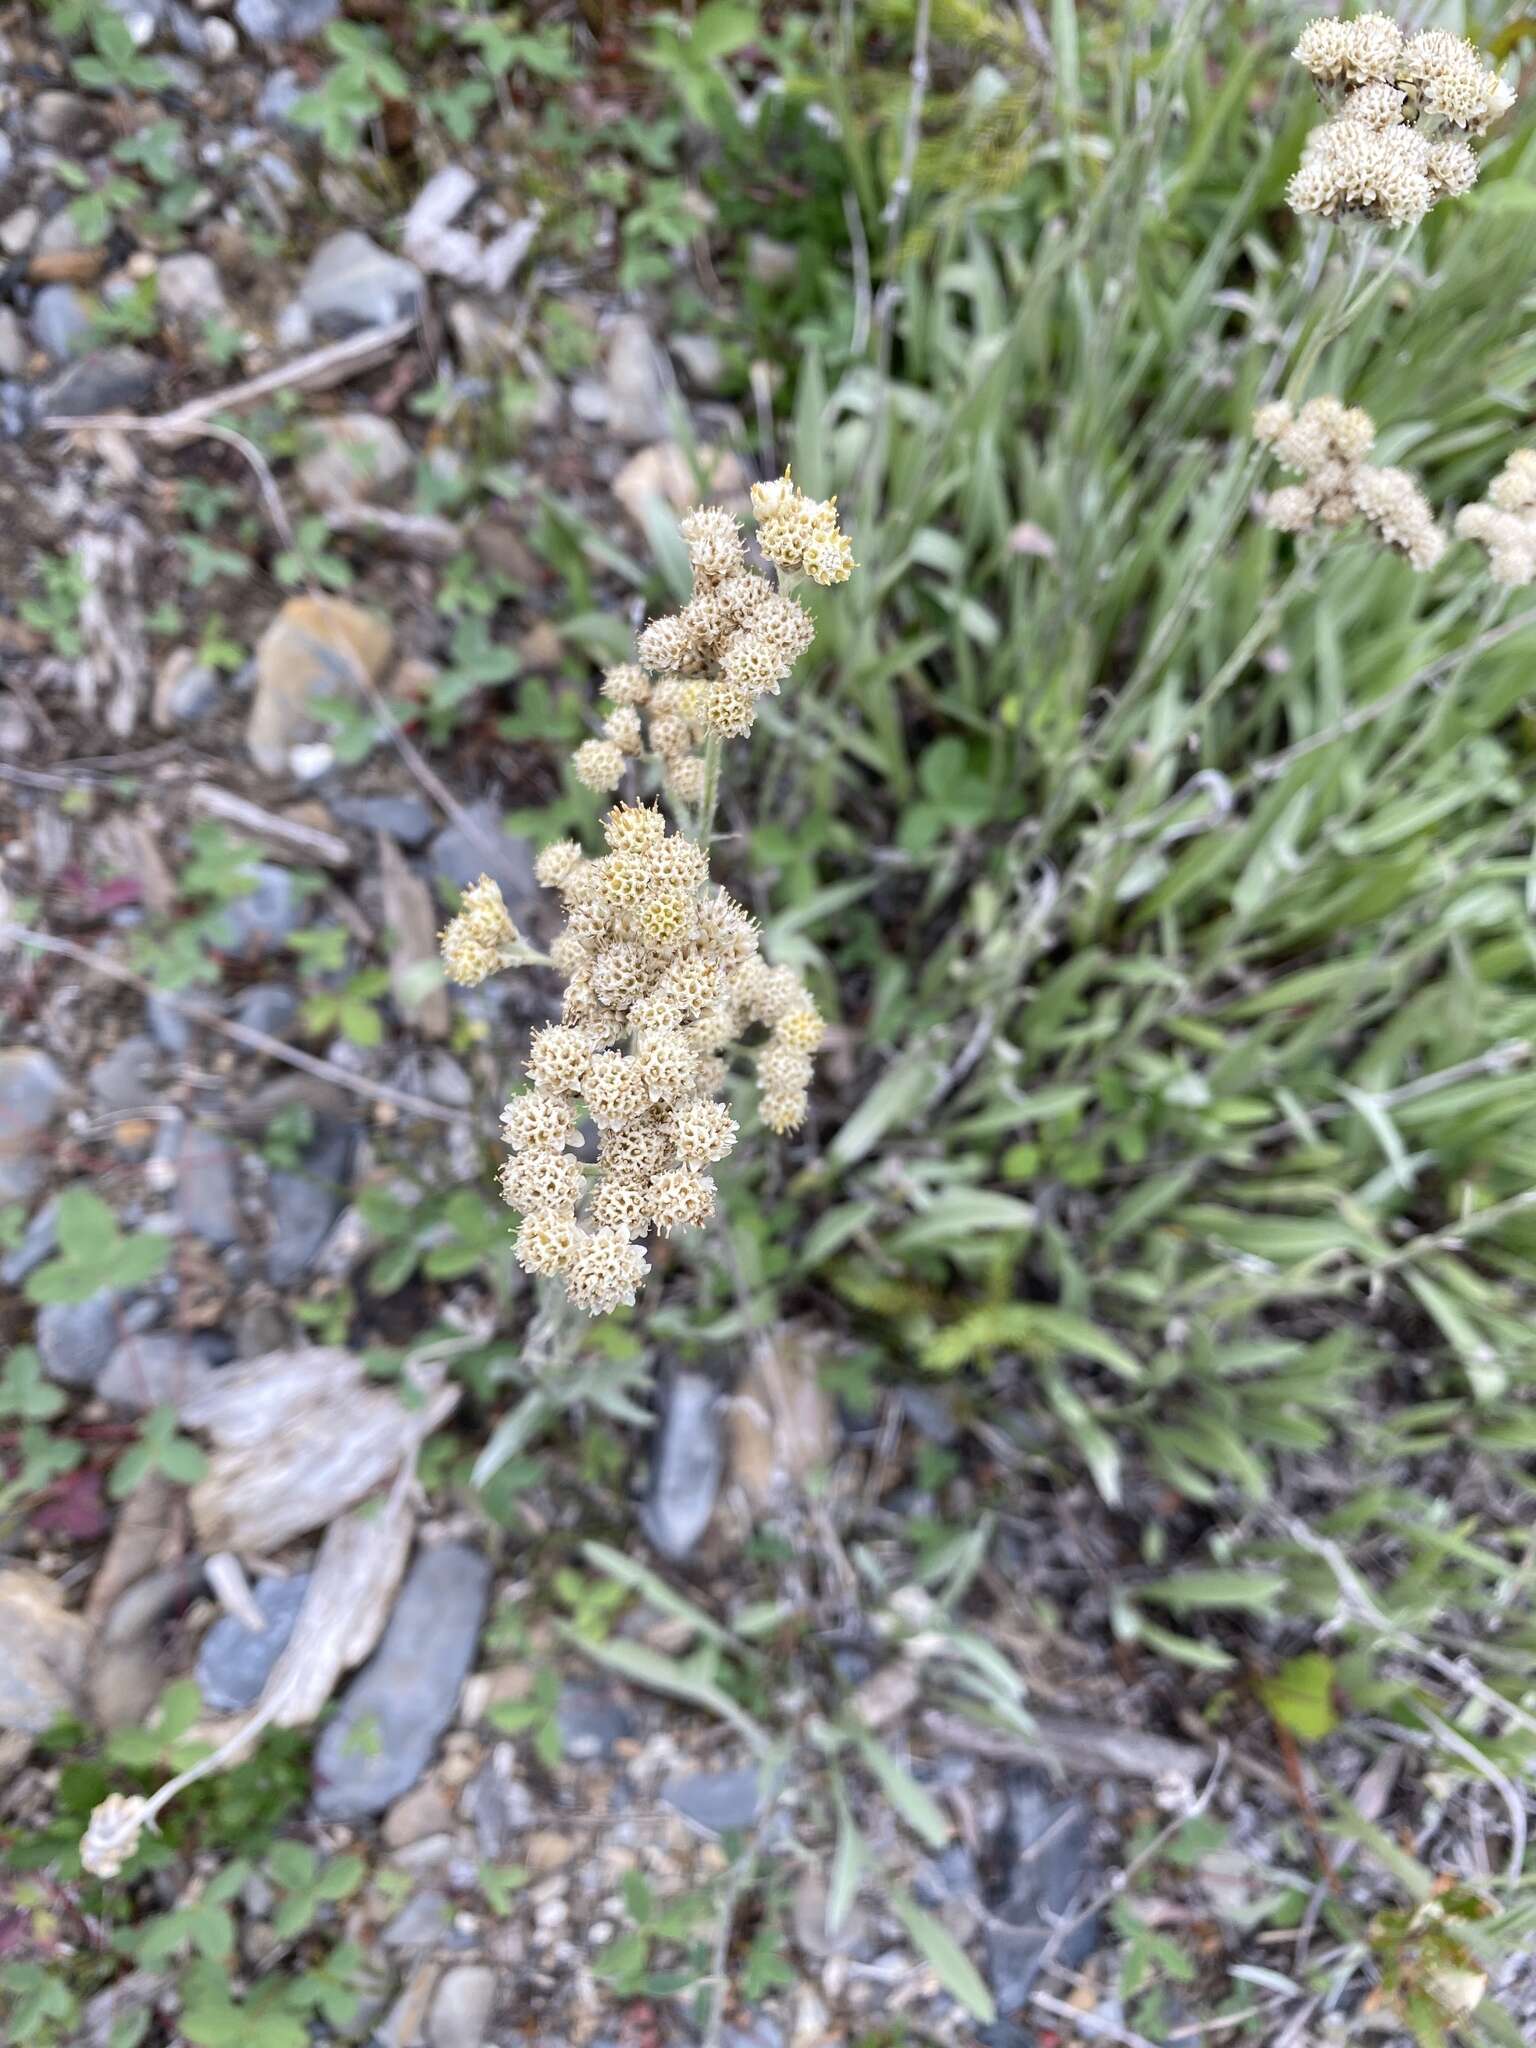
column 663, row 473
column 782, row 1422
column 316, row 647
column 42, row 1670
column 423, row 1811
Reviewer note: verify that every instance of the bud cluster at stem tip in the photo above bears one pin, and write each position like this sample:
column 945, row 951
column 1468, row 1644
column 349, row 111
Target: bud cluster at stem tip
column 702, row 670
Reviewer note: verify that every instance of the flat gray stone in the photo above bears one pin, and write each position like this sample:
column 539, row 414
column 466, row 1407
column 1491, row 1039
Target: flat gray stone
column 284, row 21
column 404, row 818
column 462, row 857
column 31, row 1089
column 462, row 2006
column 207, row 1186
column 125, row 1078
column 395, row 1711
column 687, row 1462
column 159, row 1368
column 189, row 291
column 13, row 344
column 260, row 921
column 352, row 284
column 718, row 1801
column 62, row 319
column 1040, row 1858
column 590, row 1721
column 76, row 1338
column 353, row 458
column 266, row 1006
column 303, row 1203
column 234, row 1661
column 37, row 1243
column 111, row 380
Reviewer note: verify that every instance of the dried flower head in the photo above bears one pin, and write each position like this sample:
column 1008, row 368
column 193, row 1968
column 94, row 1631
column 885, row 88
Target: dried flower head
column 1505, row 522
column 112, row 1837
column 1385, row 153
column 482, row 939
column 599, row 764
column 662, row 977
column 797, row 532
column 1325, row 444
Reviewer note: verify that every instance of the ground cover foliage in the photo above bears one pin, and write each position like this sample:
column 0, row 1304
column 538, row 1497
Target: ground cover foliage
column 1168, row 883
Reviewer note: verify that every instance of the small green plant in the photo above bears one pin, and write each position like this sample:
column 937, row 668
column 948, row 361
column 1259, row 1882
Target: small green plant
column 537, row 1716
column 116, row 65
column 311, row 561
column 94, row 1254
column 667, row 1951
column 55, row 610
column 309, row 1886
column 178, row 951
column 353, row 1009
column 352, row 94
column 160, row 1448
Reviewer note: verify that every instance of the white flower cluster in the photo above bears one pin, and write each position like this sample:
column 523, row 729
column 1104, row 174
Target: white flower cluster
column 1326, row 444
column 1505, row 522
column 1395, row 145
column 661, row 978
column 482, row 939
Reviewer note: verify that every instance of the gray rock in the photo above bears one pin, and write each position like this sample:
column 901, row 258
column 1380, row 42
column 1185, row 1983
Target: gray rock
column 352, row 283
column 207, row 1186
column 718, row 1801
column 303, row 1202
column 702, row 360
column 18, row 229
column 404, row 818
column 149, row 1371
column 1040, row 1858
column 461, row 2007
column 125, row 1078
column 76, row 1338
column 67, row 120
column 234, row 1661
column 18, row 410
column 355, row 458
column 770, row 262
column 221, row 45
column 685, row 1472
column 31, row 1088
column 497, row 1805
column 260, row 921
column 278, row 95
column 141, row 17
column 265, row 1006
column 395, row 1710
column 111, row 380
column 168, row 1027
column 591, row 1721
column 13, row 344
column 42, row 1673
column 756, row 2030
column 637, row 382
column 189, row 290
column 461, row 857
column 284, row 21
column 436, row 1074
column 420, row 1923
column 7, row 156
column 37, row 1243
column 184, row 690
